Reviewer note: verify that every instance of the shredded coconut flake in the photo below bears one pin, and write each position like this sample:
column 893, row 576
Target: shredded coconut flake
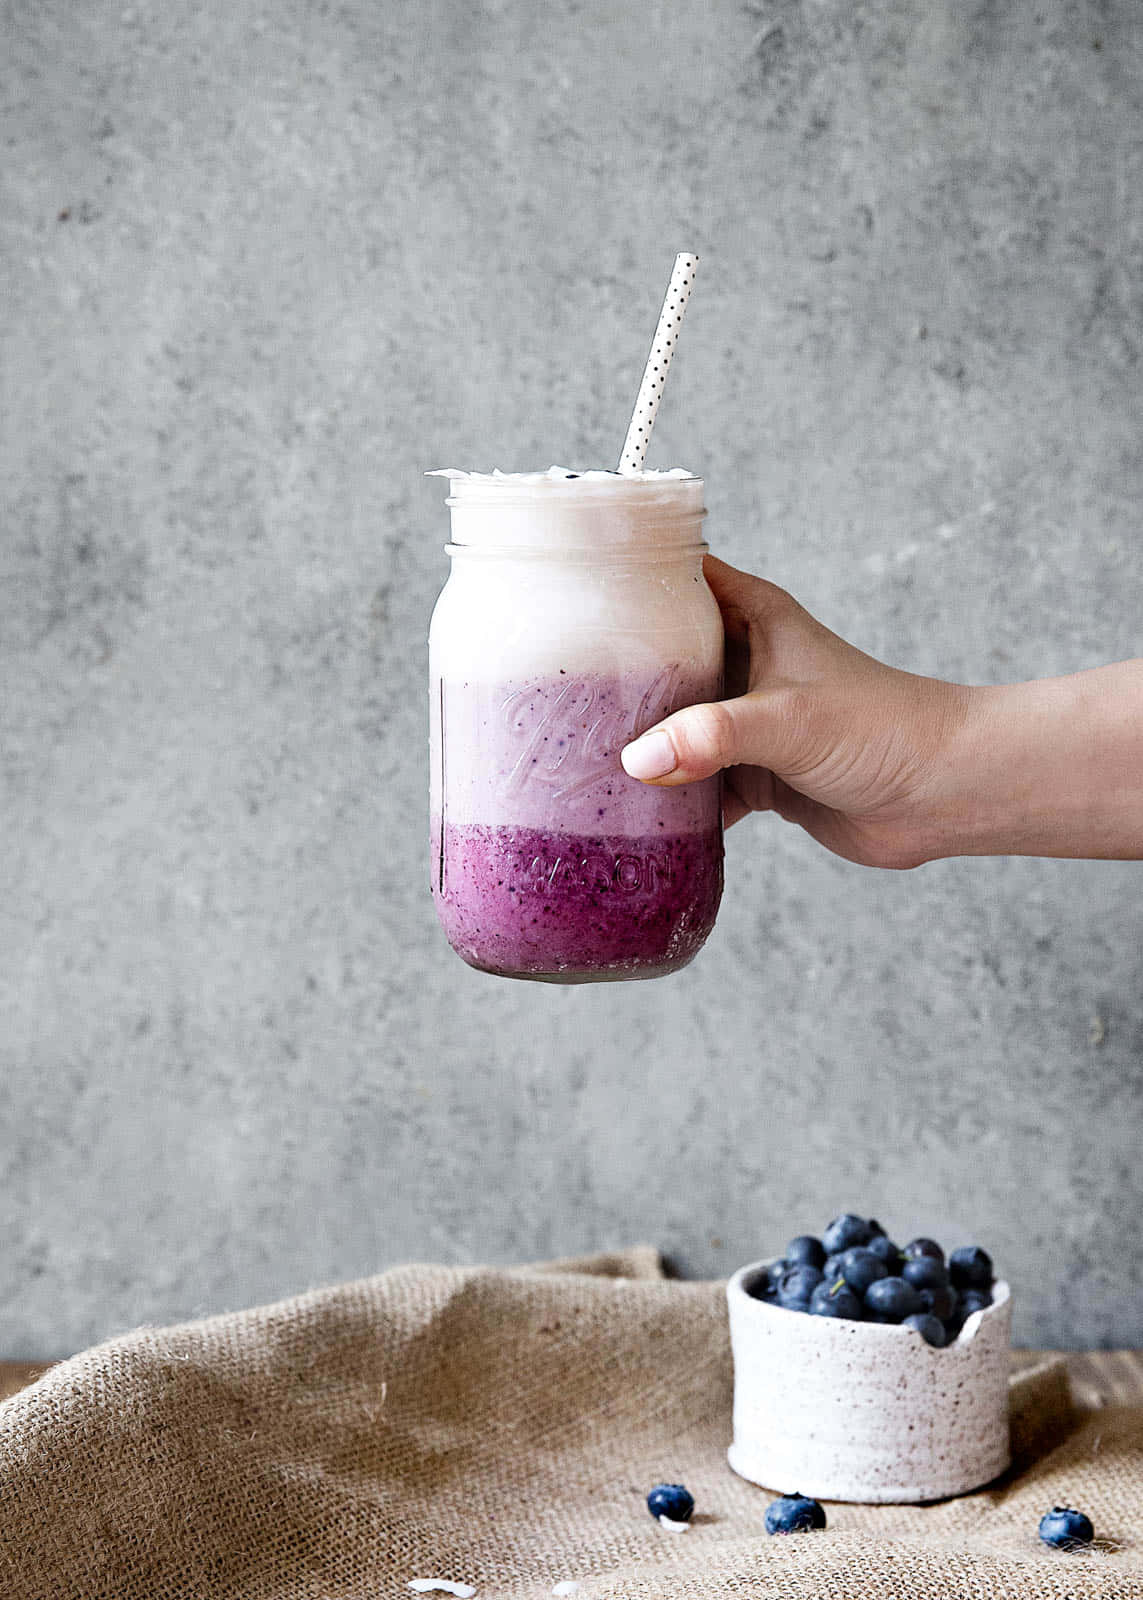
column 463, row 1591
column 674, row 1527
column 558, row 474
column 568, row 1586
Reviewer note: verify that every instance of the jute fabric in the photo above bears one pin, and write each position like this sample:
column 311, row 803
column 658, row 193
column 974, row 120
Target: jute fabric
column 499, row 1428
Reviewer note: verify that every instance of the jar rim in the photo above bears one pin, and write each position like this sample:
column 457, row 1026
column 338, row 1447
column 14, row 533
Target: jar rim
column 584, row 555
column 541, row 490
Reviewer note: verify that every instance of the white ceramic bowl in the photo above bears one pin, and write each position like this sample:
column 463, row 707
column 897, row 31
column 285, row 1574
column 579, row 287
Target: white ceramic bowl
column 866, row 1411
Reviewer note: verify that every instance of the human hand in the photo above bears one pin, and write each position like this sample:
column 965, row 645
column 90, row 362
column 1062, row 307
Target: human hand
column 852, row 750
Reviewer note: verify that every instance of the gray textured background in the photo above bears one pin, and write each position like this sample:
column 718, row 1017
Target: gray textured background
column 262, row 264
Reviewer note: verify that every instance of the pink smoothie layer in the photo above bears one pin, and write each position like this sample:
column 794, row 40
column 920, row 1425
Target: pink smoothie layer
column 533, row 903
column 544, row 753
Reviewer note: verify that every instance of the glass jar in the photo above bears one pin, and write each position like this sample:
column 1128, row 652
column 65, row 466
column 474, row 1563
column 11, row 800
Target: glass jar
column 575, row 617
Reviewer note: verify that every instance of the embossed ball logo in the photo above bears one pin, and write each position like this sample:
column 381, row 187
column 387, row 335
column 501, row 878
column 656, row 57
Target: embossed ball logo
column 576, row 742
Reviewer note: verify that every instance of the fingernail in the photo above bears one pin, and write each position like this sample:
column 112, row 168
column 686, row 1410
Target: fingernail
column 651, row 756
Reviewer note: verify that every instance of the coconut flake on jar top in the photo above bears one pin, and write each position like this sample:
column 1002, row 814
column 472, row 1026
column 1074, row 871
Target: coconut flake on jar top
column 575, row 617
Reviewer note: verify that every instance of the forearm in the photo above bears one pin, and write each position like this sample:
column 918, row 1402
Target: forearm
column 1048, row 768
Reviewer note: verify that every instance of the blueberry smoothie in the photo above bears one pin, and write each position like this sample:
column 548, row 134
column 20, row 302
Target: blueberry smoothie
column 596, row 876
column 575, row 618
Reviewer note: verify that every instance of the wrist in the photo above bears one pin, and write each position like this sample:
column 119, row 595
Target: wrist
column 1051, row 767
column 992, row 786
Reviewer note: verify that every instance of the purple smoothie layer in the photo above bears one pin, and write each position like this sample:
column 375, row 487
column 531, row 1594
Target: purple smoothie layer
column 529, row 902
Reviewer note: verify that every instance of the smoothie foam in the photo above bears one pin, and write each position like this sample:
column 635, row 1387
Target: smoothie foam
column 561, row 474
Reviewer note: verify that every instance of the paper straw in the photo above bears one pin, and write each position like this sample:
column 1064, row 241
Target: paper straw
column 655, row 375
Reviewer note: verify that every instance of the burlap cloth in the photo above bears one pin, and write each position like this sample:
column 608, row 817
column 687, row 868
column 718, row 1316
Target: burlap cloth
column 500, row 1428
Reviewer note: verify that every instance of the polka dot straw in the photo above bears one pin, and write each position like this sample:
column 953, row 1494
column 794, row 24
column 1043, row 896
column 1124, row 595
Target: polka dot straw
column 655, row 376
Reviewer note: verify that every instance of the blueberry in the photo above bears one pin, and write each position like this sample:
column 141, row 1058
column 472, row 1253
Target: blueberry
column 794, row 1513
column 832, row 1268
column 805, row 1251
column 925, row 1272
column 671, row 1500
column 940, row 1303
column 1062, row 1528
column 796, row 1286
column 764, row 1284
column 876, row 1231
column 923, row 1247
column 971, row 1268
column 931, row 1329
column 885, row 1250
column 860, row 1267
column 892, row 1300
column 835, row 1299
column 974, row 1300
column 844, row 1232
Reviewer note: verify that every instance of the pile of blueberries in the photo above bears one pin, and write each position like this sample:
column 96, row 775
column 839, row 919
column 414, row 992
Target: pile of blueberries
column 856, row 1271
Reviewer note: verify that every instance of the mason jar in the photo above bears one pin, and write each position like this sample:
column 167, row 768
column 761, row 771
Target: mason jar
column 575, row 617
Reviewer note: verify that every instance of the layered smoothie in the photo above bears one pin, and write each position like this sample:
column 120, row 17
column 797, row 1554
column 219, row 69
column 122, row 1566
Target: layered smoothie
column 595, row 876
column 575, row 618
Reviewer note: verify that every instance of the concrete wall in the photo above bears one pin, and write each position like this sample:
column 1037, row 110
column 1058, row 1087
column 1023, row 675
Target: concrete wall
column 261, row 265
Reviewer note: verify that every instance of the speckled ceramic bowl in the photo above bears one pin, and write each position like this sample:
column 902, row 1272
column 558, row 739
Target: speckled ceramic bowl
column 866, row 1411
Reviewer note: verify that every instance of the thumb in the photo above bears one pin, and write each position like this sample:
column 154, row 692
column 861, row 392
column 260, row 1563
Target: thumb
column 699, row 741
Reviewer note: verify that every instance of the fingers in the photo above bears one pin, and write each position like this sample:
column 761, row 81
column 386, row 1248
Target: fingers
column 690, row 745
column 742, row 598
column 767, row 728
column 701, row 740
column 734, row 808
column 746, row 789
